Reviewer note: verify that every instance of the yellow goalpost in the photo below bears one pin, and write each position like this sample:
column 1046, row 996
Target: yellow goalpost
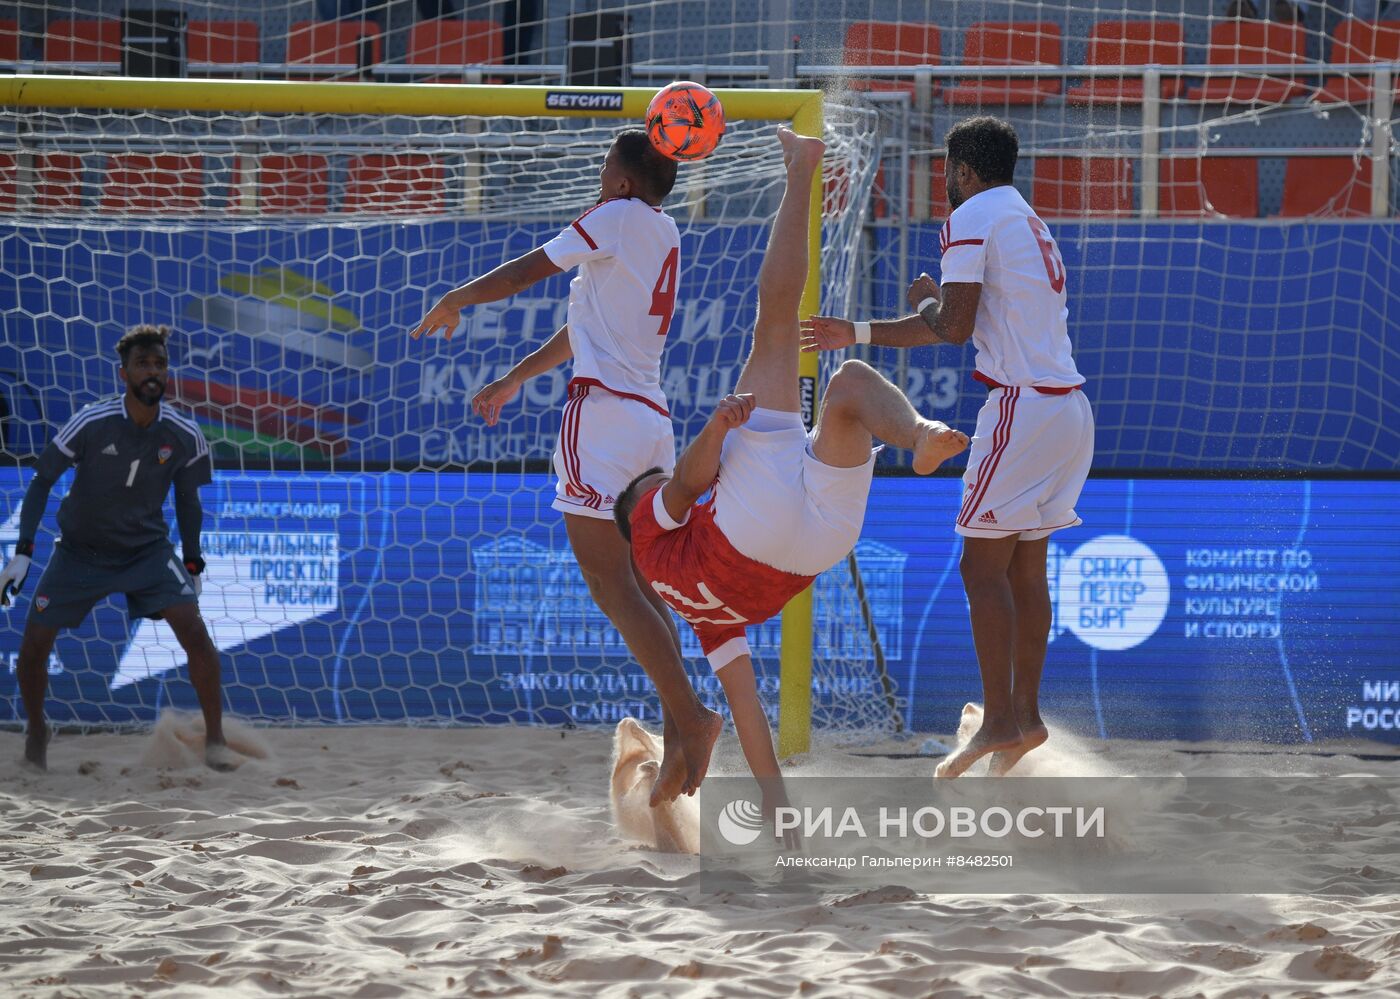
column 803, row 108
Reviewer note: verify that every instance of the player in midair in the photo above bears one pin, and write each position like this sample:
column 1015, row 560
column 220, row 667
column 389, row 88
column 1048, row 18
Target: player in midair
column 1004, row 288
column 129, row 450
column 786, row 505
column 627, row 251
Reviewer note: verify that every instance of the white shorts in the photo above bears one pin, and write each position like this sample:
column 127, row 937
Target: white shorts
column 1030, row 457
column 606, row 441
column 779, row 505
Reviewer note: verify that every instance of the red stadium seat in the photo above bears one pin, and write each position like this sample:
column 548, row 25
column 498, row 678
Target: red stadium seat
column 1219, row 185
column 1130, row 43
column 57, row 179
column 84, row 41
column 1326, row 186
column 293, row 184
column 333, row 43
column 9, row 41
column 222, row 42
column 452, row 42
column 885, row 43
column 1245, row 42
column 1357, row 43
column 1079, row 185
column 58, row 182
column 154, row 184
column 1002, row 43
column 394, row 182
column 9, row 172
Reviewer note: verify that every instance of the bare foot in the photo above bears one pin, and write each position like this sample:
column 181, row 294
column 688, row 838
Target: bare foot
column 1001, row 763
column 934, row 444
column 987, row 740
column 804, row 150
column 217, row 756
column 36, row 748
column 671, row 777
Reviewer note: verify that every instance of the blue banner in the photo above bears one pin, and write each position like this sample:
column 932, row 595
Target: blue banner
column 1183, row 610
column 1206, row 345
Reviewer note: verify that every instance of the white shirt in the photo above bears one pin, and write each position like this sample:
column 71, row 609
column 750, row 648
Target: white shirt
column 1021, row 333
column 628, row 257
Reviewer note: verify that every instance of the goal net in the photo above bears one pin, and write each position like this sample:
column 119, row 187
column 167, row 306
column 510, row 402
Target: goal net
column 376, row 553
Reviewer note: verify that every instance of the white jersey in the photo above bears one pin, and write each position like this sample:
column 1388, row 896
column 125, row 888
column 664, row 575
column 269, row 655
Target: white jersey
column 628, row 257
column 1021, row 333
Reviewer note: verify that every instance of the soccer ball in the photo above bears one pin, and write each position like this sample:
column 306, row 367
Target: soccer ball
column 685, row 121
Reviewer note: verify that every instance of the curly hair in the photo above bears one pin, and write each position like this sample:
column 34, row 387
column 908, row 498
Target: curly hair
column 143, row 335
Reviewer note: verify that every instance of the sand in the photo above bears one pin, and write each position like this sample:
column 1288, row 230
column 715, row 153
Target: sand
column 392, row 862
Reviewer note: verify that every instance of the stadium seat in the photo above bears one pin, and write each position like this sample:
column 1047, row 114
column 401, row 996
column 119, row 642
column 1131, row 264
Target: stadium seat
column 293, row 184
column 452, row 42
column 1246, row 42
column 1326, row 186
column 222, row 42
column 154, row 184
column 1129, row 43
column 1357, row 43
column 1214, row 185
column 1008, row 43
column 885, row 43
column 84, row 41
column 394, row 182
column 58, row 182
column 1082, row 185
column 9, row 172
column 9, row 41
column 333, row 43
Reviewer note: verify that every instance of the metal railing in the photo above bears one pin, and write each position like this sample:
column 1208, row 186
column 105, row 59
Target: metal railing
column 1381, row 77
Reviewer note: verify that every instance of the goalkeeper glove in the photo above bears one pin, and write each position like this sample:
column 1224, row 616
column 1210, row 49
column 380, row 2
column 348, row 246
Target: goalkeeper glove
column 15, row 572
column 194, row 565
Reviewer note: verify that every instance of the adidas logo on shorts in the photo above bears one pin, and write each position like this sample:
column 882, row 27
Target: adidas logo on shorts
column 987, row 518
column 110, row 449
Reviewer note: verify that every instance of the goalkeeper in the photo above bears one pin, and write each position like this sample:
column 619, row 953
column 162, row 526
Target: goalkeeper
column 128, row 450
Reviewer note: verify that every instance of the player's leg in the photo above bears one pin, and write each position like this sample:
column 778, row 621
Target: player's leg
column 605, row 559
column 770, row 373
column 203, row 657
column 1030, row 592
column 985, row 564
column 32, row 671
column 861, row 404
column 669, row 732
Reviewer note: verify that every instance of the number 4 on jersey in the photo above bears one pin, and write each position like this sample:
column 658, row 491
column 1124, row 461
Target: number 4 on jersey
column 663, row 296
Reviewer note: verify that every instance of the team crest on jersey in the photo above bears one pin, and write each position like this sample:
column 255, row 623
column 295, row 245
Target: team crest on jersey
column 41, row 602
column 164, row 453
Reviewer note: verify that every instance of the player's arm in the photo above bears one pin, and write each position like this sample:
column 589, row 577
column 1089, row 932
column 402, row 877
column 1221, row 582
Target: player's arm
column 948, row 317
column 57, row 457
column 511, row 278
column 755, row 736
column 189, row 510
column 489, row 401
column 698, row 464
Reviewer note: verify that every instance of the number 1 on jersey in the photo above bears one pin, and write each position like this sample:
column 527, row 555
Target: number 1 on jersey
column 663, row 296
column 131, row 476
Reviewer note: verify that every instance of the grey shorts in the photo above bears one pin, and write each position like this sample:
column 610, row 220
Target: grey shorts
column 152, row 579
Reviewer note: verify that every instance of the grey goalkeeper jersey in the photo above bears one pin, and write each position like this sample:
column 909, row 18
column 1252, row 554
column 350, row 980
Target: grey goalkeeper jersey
column 124, row 473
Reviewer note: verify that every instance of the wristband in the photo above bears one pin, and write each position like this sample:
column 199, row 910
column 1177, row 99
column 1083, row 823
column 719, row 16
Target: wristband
column 194, row 564
column 25, row 547
column 925, row 304
column 862, row 332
